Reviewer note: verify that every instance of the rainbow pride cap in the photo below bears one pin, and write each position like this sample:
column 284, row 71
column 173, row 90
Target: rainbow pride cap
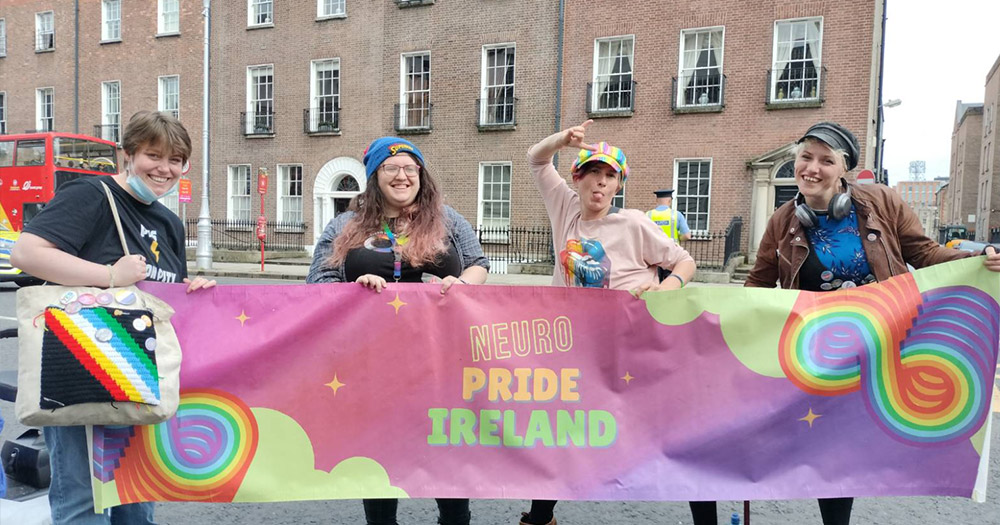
column 605, row 153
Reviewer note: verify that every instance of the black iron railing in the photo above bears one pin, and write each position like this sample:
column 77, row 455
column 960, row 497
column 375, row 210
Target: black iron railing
column 613, row 97
column 257, row 123
column 713, row 250
column 242, row 235
column 111, row 132
column 699, row 90
column 408, row 117
column 498, row 112
column 796, row 83
column 321, row 120
column 515, row 245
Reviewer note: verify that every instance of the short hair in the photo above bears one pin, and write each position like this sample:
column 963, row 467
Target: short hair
column 839, row 153
column 158, row 129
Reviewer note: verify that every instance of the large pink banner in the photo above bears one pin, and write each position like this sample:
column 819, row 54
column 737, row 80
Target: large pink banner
column 334, row 391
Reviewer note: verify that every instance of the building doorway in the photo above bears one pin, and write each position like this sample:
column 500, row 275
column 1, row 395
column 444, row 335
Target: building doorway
column 337, row 182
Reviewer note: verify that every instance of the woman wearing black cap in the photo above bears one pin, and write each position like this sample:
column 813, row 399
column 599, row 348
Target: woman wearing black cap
column 836, row 235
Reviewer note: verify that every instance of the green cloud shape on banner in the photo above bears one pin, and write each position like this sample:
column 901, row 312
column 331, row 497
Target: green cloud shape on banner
column 285, row 453
column 742, row 313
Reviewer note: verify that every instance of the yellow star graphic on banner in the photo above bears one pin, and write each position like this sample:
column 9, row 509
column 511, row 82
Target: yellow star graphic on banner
column 628, row 378
column 810, row 417
column 242, row 317
column 396, row 303
column 335, row 384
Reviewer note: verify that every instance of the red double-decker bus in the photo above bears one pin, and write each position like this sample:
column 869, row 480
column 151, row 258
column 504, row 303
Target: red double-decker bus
column 32, row 167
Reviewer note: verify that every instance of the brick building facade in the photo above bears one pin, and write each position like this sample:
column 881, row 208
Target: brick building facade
column 989, row 162
column 964, row 170
column 704, row 98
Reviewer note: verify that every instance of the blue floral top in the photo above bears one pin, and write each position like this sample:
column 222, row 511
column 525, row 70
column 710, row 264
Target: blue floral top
column 837, row 258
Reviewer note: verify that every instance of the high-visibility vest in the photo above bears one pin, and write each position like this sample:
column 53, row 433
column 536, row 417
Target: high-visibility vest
column 666, row 219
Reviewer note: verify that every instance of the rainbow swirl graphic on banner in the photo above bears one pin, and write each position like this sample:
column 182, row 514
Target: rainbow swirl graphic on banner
column 201, row 454
column 924, row 362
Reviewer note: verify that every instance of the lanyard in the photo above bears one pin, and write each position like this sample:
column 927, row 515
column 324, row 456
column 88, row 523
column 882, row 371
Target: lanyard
column 397, row 263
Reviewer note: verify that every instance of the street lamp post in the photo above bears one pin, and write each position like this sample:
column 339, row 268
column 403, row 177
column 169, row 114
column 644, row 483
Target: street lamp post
column 203, row 253
column 879, row 141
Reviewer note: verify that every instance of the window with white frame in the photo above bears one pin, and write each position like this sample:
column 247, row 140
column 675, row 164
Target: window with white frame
column 497, row 101
column 239, row 193
column 415, row 91
column 45, row 34
column 3, row 112
column 260, row 12
column 693, row 184
column 290, row 195
column 44, row 117
column 168, row 18
column 619, row 198
column 3, row 37
column 169, row 95
column 612, row 86
column 111, row 111
column 494, row 195
column 327, row 8
column 700, row 76
column 172, row 202
column 324, row 113
column 111, row 20
column 797, row 60
column 260, row 99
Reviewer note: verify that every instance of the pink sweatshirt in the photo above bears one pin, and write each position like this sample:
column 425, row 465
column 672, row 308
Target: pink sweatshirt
column 619, row 251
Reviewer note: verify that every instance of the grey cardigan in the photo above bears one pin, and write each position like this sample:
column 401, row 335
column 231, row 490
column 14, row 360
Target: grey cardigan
column 460, row 233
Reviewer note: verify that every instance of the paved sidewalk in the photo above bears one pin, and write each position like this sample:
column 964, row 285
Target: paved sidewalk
column 296, row 270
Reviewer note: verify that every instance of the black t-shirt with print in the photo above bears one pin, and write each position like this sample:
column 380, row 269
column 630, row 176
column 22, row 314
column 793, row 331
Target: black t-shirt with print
column 379, row 261
column 79, row 221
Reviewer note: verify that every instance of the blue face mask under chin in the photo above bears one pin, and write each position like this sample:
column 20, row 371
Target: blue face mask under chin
column 141, row 189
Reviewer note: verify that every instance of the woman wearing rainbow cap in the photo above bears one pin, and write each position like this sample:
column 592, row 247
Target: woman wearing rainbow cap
column 599, row 246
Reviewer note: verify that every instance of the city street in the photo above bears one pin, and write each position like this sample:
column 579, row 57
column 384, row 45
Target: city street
column 924, row 510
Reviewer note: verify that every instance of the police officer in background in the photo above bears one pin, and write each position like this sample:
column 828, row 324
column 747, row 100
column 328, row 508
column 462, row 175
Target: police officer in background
column 671, row 221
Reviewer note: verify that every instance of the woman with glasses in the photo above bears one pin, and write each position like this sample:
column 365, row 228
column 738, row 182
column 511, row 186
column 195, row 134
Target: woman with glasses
column 399, row 230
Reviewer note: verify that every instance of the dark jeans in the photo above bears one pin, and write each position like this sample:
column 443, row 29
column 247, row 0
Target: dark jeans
column 383, row 511
column 835, row 511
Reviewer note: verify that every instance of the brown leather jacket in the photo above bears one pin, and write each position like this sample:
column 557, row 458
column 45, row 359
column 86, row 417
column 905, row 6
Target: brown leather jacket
column 890, row 233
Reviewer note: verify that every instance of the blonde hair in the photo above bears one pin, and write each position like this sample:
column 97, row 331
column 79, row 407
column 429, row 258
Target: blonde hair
column 839, row 153
column 153, row 128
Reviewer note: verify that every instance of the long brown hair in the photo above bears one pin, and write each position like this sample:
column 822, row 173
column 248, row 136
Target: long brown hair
column 422, row 221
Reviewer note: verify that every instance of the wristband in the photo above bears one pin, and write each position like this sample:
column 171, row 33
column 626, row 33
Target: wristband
column 463, row 281
column 679, row 278
column 111, row 276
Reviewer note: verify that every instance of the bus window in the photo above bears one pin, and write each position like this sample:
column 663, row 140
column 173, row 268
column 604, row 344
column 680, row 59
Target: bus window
column 84, row 154
column 6, row 153
column 30, row 153
column 30, row 210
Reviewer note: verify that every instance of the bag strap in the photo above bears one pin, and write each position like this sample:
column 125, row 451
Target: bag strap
column 118, row 222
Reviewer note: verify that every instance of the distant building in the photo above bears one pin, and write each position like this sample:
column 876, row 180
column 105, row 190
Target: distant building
column 963, row 190
column 922, row 197
column 989, row 163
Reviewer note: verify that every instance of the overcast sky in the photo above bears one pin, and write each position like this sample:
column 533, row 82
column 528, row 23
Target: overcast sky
column 935, row 54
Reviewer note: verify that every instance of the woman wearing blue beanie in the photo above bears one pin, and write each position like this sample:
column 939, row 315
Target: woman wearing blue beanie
column 399, row 230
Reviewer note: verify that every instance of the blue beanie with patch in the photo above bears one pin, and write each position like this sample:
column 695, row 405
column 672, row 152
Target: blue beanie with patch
column 385, row 147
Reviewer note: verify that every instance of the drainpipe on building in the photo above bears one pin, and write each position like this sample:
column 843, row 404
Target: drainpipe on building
column 559, row 67
column 203, row 253
column 880, row 176
column 76, row 66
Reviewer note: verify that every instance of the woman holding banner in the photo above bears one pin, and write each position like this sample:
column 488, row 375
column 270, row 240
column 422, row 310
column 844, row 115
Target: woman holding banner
column 837, row 235
column 74, row 242
column 399, row 230
column 601, row 246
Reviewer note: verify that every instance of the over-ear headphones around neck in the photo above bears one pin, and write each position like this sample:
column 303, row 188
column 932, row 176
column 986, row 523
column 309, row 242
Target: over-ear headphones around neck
column 839, row 207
